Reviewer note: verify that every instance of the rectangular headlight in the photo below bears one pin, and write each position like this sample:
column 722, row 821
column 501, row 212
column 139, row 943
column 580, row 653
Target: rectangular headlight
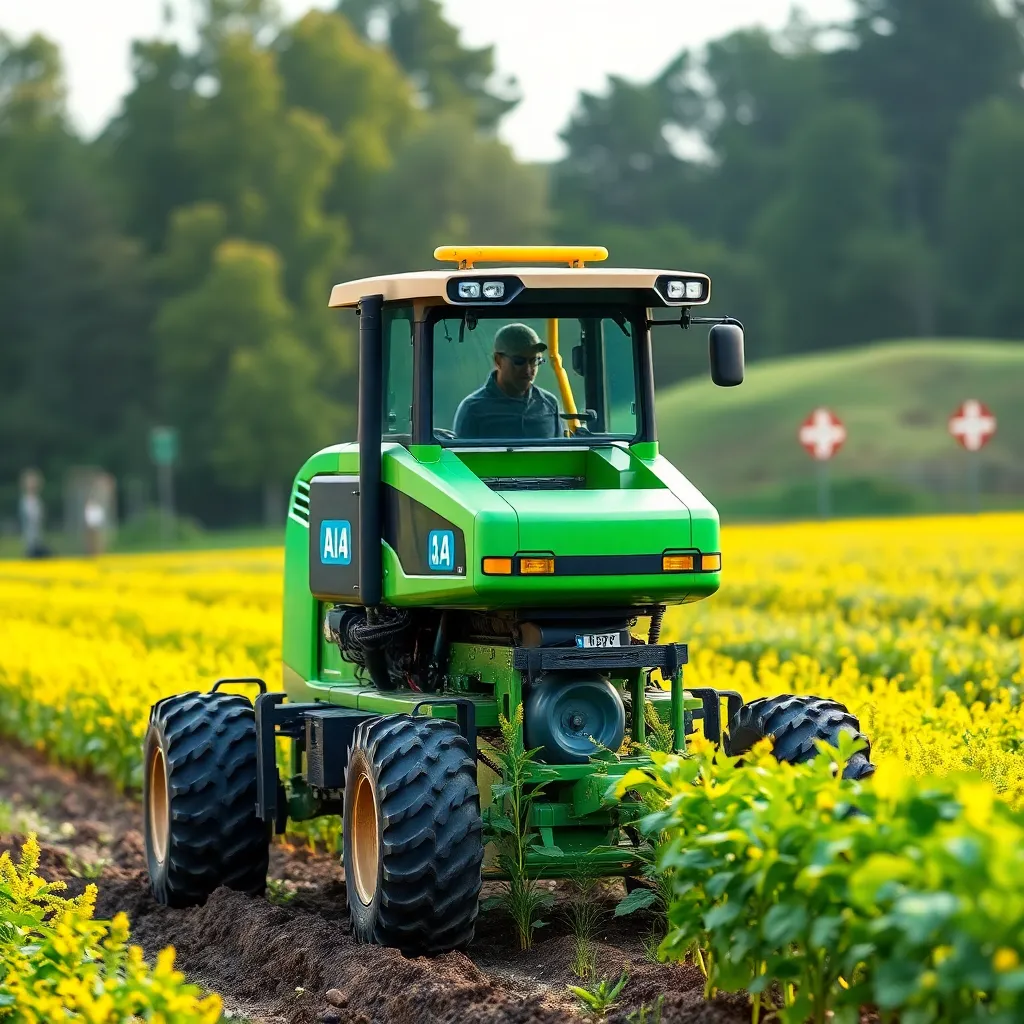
column 711, row 563
column 694, row 289
column 677, row 563
column 494, row 289
column 677, row 289
column 536, row 566
column 469, row 289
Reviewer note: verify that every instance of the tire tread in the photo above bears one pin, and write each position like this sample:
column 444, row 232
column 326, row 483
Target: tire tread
column 794, row 722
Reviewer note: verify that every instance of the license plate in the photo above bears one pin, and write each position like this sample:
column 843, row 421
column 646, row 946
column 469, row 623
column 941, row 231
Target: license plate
column 600, row 640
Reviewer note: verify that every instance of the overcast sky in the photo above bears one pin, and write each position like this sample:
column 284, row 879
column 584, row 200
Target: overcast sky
column 554, row 47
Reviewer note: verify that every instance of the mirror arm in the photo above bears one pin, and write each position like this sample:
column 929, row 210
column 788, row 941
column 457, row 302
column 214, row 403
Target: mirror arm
column 685, row 320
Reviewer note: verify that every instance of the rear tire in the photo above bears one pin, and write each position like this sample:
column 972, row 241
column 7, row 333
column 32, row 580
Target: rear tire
column 199, row 799
column 794, row 722
column 413, row 835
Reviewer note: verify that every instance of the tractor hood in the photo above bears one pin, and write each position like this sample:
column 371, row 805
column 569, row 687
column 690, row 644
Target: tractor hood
column 592, row 503
column 587, row 523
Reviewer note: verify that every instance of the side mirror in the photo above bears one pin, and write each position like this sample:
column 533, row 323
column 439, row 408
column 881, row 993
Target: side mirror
column 725, row 348
column 577, row 359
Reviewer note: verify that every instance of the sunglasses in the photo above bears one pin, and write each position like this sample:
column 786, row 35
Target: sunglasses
column 523, row 360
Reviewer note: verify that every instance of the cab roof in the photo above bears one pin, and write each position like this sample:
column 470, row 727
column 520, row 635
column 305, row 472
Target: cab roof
column 514, row 266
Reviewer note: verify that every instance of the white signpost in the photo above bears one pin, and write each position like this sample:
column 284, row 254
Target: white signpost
column 972, row 425
column 822, row 434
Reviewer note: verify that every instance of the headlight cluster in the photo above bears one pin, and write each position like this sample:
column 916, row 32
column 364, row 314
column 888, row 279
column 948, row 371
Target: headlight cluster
column 474, row 289
column 498, row 290
column 673, row 288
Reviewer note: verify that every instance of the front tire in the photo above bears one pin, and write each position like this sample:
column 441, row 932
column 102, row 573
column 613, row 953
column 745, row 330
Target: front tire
column 199, row 799
column 413, row 835
column 794, row 722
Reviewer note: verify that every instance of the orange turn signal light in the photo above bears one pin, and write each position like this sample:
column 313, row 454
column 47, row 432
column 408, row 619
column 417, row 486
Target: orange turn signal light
column 498, row 566
column 536, row 566
column 677, row 563
column 711, row 563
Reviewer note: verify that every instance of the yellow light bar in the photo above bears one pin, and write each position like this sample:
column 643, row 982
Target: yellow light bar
column 710, row 563
column 498, row 566
column 466, row 256
column 677, row 563
column 536, row 566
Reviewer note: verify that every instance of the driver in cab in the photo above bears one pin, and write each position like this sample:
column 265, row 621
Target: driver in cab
column 510, row 405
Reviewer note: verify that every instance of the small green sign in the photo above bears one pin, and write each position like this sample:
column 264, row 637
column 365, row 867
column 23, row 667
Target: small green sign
column 163, row 445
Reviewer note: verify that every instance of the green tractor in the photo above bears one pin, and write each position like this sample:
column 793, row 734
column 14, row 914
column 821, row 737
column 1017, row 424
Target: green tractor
column 485, row 551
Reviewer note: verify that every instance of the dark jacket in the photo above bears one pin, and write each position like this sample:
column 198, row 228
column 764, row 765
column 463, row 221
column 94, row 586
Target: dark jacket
column 489, row 413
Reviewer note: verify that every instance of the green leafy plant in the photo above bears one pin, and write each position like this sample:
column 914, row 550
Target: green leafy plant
column 584, row 914
column 904, row 894
column 645, row 1014
column 598, row 999
column 82, row 867
column 508, row 825
column 280, row 892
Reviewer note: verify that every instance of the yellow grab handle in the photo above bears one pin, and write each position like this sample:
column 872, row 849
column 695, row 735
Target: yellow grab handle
column 560, row 375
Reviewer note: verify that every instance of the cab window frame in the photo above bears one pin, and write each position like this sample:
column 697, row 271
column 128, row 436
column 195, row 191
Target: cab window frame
column 643, row 372
column 390, row 313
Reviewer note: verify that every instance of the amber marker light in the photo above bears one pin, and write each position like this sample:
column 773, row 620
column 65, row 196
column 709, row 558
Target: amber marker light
column 677, row 563
column 536, row 566
column 498, row 566
column 711, row 563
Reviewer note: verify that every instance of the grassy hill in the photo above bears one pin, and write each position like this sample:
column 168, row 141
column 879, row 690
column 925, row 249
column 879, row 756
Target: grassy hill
column 739, row 445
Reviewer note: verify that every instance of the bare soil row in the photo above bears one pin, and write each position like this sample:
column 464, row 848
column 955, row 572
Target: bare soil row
column 288, row 958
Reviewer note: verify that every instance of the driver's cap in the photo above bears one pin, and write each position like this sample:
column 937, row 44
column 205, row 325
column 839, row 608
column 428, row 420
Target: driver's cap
column 518, row 340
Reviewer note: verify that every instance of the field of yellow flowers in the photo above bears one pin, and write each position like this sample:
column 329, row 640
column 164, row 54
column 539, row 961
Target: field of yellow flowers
column 916, row 624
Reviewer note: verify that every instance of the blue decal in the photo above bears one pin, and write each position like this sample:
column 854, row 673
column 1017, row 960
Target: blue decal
column 441, row 550
column 335, row 542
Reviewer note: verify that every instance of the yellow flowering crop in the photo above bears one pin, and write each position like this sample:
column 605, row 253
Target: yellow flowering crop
column 58, row 964
column 916, row 624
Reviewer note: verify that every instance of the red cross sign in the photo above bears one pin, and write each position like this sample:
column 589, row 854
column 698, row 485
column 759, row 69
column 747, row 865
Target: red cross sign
column 822, row 434
column 972, row 424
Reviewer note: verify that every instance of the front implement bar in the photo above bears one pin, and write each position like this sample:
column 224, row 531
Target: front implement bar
column 533, row 660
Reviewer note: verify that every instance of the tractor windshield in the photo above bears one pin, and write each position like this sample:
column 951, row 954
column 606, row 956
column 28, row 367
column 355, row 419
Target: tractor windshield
column 499, row 377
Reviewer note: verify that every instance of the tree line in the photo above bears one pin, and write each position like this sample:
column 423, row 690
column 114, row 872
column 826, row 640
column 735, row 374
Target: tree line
column 840, row 184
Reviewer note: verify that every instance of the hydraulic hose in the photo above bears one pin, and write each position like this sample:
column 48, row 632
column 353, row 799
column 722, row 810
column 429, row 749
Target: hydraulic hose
column 656, row 616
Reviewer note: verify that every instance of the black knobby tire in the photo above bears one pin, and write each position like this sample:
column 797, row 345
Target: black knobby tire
column 199, row 799
column 413, row 835
column 794, row 723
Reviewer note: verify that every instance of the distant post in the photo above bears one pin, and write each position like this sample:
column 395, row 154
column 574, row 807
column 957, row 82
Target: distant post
column 163, row 449
column 822, row 434
column 973, row 425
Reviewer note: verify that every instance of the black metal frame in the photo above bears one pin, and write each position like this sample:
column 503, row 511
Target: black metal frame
column 465, row 715
column 369, row 434
column 711, row 712
column 533, row 660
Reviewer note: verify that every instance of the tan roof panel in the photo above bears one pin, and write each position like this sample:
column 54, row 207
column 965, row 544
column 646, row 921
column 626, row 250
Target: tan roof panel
column 432, row 283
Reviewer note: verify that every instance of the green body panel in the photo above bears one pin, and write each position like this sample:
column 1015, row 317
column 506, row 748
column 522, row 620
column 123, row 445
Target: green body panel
column 623, row 487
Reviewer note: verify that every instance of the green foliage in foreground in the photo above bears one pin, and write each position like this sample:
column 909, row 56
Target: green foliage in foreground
column 907, row 894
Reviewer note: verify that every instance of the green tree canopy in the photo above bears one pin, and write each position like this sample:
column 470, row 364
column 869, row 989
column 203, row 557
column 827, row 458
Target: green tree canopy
column 985, row 222
column 922, row 65
column 446, row 74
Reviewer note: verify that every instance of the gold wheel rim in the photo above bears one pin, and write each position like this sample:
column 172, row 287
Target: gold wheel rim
column 365, row 841
column 159, row 804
